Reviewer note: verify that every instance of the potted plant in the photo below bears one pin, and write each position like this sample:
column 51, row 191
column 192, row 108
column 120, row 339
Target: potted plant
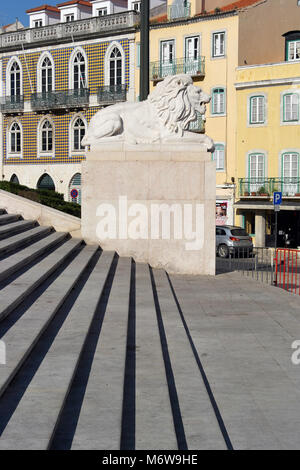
column 246, row 194
column 263, row 192
column 253, row 193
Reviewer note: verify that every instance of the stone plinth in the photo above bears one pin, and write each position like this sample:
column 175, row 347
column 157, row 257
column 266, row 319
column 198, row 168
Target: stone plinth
column 133, row 190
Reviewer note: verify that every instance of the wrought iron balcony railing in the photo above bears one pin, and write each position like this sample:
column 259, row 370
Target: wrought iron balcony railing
column 262, row 187
column 60, row 99
column 12, row 104
column 159, row 70
column 111, row 94
column 179, row 11
column 198, row 125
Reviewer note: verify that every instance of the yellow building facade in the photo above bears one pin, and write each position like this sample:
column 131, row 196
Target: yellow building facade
column 268, row 151
column 205, row 48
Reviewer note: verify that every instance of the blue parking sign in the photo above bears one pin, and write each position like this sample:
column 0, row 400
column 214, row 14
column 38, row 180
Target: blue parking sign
column 277, row 198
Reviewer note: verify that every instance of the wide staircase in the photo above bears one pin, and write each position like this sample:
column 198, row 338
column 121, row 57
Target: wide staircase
column 98, row 355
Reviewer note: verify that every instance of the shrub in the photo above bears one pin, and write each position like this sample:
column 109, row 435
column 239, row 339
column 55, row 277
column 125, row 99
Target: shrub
column 43, row 196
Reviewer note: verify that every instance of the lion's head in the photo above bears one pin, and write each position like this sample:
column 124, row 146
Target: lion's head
column 177, row 100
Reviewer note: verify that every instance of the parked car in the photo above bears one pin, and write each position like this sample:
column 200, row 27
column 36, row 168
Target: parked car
column 232, row 240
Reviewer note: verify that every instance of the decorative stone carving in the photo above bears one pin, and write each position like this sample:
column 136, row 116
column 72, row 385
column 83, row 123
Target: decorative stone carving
column 164, row 117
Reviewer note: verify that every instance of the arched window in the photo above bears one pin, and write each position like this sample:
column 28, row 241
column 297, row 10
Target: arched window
column 14, row 179
column 291, row 107
column 75, row 189
column 15, row 139
column 256, row 171
column 46, row 75
column 15, row 80
column 46, row 182
column 290, row 173
column 78, row 133
column 47, row 137
column 115, row 67
column 79, row 72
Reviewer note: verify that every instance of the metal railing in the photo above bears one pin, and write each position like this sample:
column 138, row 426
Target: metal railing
column 198, row 125
column 179, row 11
column 12, row 104
column 60, row 99
column 256, row 263
column 112, row 94
column 287, row 270
column 260, row 187
column 159, row 70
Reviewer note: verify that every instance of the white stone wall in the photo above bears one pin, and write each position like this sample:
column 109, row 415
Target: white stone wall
column 29, row 175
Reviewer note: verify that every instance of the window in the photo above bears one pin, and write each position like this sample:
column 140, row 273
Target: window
column 136, row 6
column 38, row 23
column 15, row 139
column 218, row 49
column 167, row 56
column 257, row 110
column 192, row 48
column 79, row 72
column 115, row 67
column 290, row 173
column 15, row 80
column 46, row 182
column 291, row 107
column 78, row 135
column 69, row 18
column 47, row 137
column 256, row 171
column 218, row 101
column 293, row 50
column 47, row 75
column 14, row 179
column 102, row 12
column 219, row 157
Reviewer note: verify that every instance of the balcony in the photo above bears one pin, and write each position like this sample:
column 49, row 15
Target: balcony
column 63, row 32
column 160, row 70
column 264, row 188
column 12, row 104
column 111, row 94
column 176, row 12
column 66, row 99
column 197, row 125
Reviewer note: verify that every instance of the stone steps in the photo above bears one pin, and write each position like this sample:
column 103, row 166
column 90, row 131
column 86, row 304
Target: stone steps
column 97, row 353
column 8, row 219
column 16, row 227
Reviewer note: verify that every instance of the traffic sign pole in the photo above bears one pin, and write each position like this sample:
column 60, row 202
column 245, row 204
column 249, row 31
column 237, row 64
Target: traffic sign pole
column 277, row 200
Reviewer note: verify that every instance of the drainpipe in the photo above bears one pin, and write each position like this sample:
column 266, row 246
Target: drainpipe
column 144, row 62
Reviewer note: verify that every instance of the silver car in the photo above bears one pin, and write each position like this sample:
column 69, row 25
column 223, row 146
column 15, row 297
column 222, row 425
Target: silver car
column 232, row 240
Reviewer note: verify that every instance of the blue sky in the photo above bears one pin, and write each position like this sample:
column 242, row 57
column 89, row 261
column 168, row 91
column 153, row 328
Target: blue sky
column 10, row 9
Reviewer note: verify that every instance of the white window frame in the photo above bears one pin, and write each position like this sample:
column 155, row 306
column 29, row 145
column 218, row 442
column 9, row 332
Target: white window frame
column 102, row 11
column 296, row 46
column 39, row 71
column 72, row 150
column 136, row 6
column 10, row 152
column 48, row 153
column 71, row 67
column 107, row 62
column 296, row 104
column 69, row 18
column 258, row 122
column 38, row 23
column 218, row 111
column 8, row 70
column 216, row 156
column 214, row 53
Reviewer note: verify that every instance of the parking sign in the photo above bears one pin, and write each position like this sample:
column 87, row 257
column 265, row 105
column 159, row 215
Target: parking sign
column 277, row 199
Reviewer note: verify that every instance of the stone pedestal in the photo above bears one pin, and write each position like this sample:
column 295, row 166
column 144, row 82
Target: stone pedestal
column 157, row 202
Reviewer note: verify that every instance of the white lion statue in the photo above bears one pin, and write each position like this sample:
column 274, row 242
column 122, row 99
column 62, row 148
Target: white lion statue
column 164, row 117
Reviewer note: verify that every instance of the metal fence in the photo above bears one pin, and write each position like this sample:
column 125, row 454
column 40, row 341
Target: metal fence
column 287, row 270
column 279, row 267
column 255, row 263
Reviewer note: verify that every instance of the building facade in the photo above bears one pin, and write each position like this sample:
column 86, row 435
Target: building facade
column 55, row 76
column 268, row 149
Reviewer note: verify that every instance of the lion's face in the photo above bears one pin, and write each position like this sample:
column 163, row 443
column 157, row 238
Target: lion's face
column 198, row 98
